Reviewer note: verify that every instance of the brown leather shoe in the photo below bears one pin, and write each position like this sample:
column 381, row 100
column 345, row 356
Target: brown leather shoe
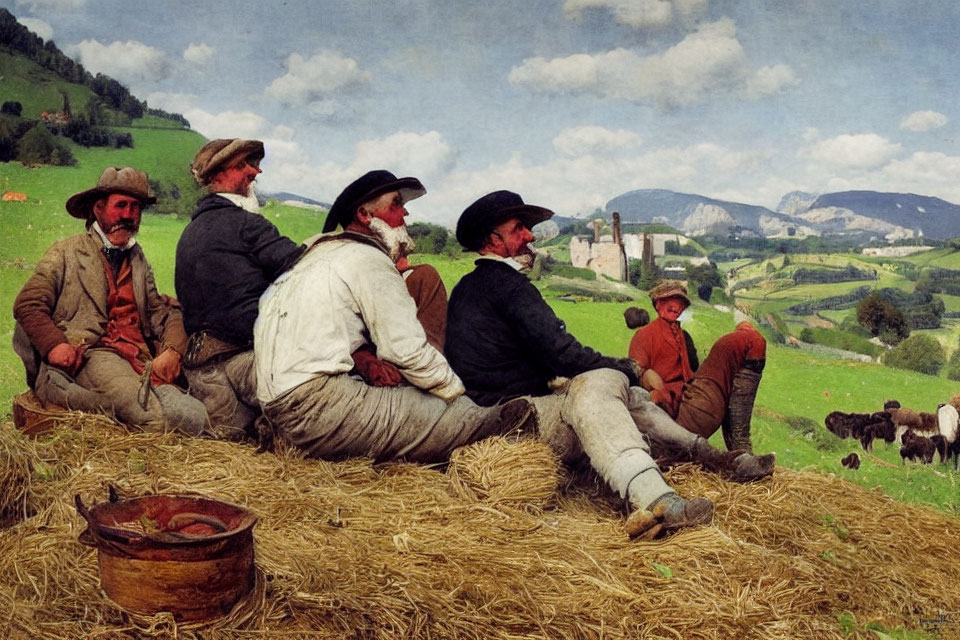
column 667, row 514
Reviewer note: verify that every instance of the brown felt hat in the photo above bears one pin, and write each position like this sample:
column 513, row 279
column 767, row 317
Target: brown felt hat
column 214, row 155
column 113, row 180
column 669, row 289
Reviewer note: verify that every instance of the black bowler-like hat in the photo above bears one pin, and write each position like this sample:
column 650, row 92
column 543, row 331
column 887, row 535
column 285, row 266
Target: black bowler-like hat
column 482, row 216
column 366, row 188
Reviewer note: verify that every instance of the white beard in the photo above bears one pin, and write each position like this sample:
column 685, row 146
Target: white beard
column 397, row 240
column 248, row 202
column 527, row 258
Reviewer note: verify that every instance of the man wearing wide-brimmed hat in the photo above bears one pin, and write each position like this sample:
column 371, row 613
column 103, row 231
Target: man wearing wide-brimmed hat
column 226, row 257
column 346, row 293
column 506, row 342
column 94, row 333
column 717, row 394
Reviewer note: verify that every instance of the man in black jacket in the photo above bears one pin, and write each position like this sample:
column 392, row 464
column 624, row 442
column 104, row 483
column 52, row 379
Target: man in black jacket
column 226, row 257
column 504, row 341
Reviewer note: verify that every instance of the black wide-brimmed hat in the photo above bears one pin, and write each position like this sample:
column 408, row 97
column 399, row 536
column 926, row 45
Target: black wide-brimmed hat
column 366, row 188
column 482, row 216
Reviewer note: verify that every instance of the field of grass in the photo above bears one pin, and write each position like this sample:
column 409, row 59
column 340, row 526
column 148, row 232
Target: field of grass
column 38, row 89
column 798, row 387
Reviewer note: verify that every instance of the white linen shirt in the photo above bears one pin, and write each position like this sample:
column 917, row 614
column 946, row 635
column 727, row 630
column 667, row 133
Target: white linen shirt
column 316, row 314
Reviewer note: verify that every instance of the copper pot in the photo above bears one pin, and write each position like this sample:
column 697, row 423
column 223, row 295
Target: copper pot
column 186, row 554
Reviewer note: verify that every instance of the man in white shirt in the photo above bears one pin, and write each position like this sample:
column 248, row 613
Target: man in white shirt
column 346, row 293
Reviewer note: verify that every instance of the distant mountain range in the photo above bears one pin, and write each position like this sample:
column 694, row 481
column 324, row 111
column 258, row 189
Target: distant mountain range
column 865, row 214
column 293, row 197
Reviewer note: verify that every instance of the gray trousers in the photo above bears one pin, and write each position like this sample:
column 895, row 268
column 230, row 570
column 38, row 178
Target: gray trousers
column 338, row 416
column 599, row 415
column 107, row 384
column 228, row 390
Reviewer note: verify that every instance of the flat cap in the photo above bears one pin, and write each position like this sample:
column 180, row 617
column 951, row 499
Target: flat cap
column 213, row 155
column 669, row 289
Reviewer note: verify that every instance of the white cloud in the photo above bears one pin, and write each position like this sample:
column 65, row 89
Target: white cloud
column 312, row 80
column 769, row 80
column 577, row 141
column 424, row 155
column 38, row 26
column 129, row 62
column 923, row 121
column 706, row 61
column 852, row 151
column 173, row 102
column 926, row 172
column 199, row 54
column 326, row 109
column 642, row 14
column 227, row 124
column 51, row 5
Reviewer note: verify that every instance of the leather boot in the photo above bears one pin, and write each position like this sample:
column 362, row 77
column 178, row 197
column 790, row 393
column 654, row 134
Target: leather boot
column 738, row 466
column 736, row 423
column 668, row 513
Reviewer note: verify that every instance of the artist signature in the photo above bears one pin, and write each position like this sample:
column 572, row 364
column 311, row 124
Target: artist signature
column 946, row 624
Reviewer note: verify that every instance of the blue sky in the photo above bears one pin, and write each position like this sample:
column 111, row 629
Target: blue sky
column 568, row 102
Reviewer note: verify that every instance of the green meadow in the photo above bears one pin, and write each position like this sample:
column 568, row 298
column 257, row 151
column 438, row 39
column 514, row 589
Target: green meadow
column 799, row 388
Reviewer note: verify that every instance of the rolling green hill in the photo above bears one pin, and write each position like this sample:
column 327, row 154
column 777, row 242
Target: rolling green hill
column 799, row 388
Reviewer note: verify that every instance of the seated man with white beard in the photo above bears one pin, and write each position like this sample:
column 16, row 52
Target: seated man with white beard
column 226, row 257
column 346, row 294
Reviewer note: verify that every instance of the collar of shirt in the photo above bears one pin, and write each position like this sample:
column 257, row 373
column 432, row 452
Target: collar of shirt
column 109, row 245
column 510, row 261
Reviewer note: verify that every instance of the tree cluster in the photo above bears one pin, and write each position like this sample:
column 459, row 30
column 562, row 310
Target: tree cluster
column 17, row 37
column 848, row 274
column 85, row 134
column 919, row 353
column 38, row 146
column 674, row 248
column 430, row 238
column 843, row 301
column 882, row 319
column 704, row 277
column 641, row 277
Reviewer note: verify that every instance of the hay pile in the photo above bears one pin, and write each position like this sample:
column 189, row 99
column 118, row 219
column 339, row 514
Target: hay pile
column 16, row 471
column 524, row 473
column 350, row 550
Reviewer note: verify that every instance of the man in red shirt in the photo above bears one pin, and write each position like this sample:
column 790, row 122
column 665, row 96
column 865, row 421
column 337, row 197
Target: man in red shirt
column 719, row 393
column 93, row 331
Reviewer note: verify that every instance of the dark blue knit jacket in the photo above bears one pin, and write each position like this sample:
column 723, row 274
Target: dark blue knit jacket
column 504, row 340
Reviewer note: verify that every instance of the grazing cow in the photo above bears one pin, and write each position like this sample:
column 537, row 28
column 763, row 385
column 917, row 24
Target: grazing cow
column 865, row 427
column 948, row 420
column 852, row 461
column 917, row 448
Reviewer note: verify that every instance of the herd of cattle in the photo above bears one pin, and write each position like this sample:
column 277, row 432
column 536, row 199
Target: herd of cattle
column 919, row 434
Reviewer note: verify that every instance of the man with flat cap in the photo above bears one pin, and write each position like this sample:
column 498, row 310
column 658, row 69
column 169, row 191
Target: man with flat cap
column 701, row 398
column 226, row 257
column 506, row 342
column 93, row 332
column 344, row 294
